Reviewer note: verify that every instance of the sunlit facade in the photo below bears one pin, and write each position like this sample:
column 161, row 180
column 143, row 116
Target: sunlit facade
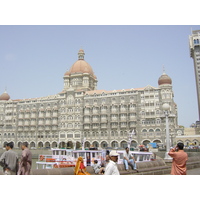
column 81, row 112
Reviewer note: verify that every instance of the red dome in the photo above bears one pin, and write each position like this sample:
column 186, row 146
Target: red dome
column 164, row 79
column 80, row 66
column 5, row 96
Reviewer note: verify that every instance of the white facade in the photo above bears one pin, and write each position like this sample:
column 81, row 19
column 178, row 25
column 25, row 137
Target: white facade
column 103, row 118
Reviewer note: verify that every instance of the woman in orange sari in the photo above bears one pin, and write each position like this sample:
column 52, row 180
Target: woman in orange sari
column 80, row 168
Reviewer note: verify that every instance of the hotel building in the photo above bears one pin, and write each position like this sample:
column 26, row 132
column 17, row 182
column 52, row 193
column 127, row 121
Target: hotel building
column 81, row 112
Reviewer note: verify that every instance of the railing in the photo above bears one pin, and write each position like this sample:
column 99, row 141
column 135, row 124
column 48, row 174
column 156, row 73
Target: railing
column 139, row 156
column 142, row 156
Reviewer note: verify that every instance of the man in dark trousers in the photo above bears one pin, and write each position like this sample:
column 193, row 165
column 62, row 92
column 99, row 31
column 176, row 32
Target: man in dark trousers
column 26, row 160
column 9, row 160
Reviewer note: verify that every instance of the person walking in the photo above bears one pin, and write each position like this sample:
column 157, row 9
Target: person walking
column 179, row 160
column 9, row 160
column 26, row 160
column 129, row 160
column 111, row 168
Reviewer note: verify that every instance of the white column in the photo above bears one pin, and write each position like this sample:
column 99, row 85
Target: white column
column 166, row 108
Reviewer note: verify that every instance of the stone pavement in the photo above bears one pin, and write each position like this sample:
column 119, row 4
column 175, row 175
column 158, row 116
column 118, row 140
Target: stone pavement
column 195, row 171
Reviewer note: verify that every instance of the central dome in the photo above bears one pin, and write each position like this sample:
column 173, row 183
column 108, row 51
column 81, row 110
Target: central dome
column 80, row 66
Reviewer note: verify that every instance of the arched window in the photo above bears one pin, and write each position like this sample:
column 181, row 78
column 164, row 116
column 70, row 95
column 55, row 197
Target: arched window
column 158, row 121
column 70, row 100
column 158, row 131
column 151, row 131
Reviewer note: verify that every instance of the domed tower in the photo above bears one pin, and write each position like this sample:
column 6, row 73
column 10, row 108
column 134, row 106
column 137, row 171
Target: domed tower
column 80, row 75
column 164, row 80
column 5, row 96
column 167, row 96
column 165, row 84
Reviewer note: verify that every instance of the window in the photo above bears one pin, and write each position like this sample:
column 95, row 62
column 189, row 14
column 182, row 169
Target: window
column 70, row 135
column 158, row 121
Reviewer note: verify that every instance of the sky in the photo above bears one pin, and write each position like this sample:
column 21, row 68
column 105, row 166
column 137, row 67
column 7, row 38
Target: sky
column 34, row 59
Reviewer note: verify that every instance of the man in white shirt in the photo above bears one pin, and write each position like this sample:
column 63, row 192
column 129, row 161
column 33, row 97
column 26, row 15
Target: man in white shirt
column 129, row 160
column 111, row 168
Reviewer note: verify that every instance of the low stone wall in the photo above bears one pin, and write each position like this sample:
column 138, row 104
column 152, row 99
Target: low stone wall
column 193, row 162
column 157, row 167
column 59, row 171
column 143, row 168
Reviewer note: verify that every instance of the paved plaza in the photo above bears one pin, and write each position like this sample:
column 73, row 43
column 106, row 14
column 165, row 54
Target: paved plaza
column 195, row 171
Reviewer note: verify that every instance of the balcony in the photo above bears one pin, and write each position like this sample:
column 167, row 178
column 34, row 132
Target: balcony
column 123, row 110
column 26, row 128
column 20, row 124
column 123, row 125
column 132, row 118
column 26, row 124
column 47, row 127
column 20, row 128
column 33, row 128
column 48, row 115
column 27, row 116
column 95, row 127
column 114, row 110
column 8, row 118
column 55, row 114
column 41, row 115
column 21, row 116
column 54, row 127
column 86, row 120
column 55, row 122
column 103, row 120
column 33, row 123
column 40, row 128
column 40, row 123
column 103, row 111
column 86, row 127
column 95, row 112
column 33, row 115
column 103, row 126
column 132, row 125
column 123, row 119
column 132, row 110
column 114, row 119
column 95, row 120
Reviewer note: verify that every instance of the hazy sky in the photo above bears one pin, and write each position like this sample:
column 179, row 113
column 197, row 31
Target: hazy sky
column 34, row 59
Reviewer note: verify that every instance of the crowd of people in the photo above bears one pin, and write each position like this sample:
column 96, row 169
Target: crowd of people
column 179, row 159
column 109, row 166
column 13, row 165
